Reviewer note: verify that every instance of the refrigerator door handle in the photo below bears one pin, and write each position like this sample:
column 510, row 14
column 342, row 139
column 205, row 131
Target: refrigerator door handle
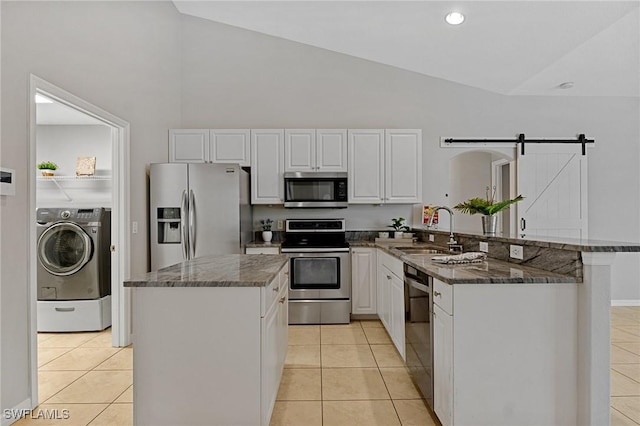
column 183, row 225
column 192, row 225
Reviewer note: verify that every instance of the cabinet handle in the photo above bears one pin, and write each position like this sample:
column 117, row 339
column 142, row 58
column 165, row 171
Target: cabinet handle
column 276, row 289
column 434, row 314
column 388, row 277
column 437, row 293
column 282, row 299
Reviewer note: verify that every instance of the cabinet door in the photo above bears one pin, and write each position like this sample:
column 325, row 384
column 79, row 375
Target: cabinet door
column 230, row 146
column 267, row 154
column 366, row 166
column 382, row 293
column 397, row 313
column 269, row 361
column 300, row 150
column 443, row 365
column 403, row 166
column 188, row 145
column 363, row 281
column 331, row 150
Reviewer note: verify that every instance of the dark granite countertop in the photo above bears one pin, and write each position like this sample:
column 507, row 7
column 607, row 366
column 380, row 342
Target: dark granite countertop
column 490, row 271
column 231, row 270
column 562, row 243
column 262, row 244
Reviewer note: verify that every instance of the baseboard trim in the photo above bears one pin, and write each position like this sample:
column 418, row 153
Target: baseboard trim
column 626, row 302
column 9, row 415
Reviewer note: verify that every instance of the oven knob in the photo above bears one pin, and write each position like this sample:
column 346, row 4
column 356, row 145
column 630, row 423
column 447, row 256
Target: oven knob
column 65, row 214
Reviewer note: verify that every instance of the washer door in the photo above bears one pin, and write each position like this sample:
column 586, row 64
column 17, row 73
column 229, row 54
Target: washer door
column 64, row 248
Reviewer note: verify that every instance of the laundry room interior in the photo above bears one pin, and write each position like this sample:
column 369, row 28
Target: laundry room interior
column 73, row 199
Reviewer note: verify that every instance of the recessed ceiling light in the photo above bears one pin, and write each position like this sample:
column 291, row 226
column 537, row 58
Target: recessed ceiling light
column 566, row 85
column 42, row 100
column 454, row 18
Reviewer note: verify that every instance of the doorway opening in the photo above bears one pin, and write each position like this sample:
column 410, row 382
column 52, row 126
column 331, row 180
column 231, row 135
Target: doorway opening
column 483, row 173
column 59, row 122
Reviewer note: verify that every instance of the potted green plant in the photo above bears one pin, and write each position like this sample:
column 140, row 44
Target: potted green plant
column 488, row 208
column 267, row 235
column 397, row 223
column 47, row 168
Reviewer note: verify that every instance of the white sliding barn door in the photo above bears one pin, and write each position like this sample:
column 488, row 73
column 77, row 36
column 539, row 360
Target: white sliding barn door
column 553, row 180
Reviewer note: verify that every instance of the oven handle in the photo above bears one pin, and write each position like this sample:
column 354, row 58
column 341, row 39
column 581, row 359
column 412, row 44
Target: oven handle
column 315, row 250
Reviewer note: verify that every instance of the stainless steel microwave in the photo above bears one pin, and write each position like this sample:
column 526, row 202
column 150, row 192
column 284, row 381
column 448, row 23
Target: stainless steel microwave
column 315, row 190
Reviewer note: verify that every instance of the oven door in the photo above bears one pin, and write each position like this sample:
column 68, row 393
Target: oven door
column 314, row 275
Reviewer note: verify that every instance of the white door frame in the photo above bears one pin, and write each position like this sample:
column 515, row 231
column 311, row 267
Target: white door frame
column 121, row 265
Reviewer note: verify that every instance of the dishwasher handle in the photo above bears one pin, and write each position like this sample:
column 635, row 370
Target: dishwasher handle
column 416, row 284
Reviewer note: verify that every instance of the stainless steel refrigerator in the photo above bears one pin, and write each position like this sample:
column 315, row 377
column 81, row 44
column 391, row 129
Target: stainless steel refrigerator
column 197, row 210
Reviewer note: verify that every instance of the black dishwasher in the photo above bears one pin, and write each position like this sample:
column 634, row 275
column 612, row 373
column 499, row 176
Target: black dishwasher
column 418, row 294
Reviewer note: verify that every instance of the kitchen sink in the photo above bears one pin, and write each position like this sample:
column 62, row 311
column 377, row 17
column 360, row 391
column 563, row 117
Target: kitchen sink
column 420, row 250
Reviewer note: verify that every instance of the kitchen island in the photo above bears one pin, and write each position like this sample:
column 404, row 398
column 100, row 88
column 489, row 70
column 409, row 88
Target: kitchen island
column 556, row 301
column 210, row 338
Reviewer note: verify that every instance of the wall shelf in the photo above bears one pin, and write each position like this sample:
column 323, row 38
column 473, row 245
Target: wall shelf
column 62, row 178
column 72, row 178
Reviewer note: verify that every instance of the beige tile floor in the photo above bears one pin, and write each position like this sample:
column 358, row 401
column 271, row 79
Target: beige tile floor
column 83, row 380
column 334, row 375
column 625, row 366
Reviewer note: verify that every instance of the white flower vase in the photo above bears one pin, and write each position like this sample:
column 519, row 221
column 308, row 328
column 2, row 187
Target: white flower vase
column 398, row 234
column 267, row 236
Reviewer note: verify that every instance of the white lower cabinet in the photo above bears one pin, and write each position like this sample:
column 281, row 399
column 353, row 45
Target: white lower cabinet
column 232, row 347
column 443, row 365
column 505, row 354
column 274, row 341
column 390, row 297
column 363, row 281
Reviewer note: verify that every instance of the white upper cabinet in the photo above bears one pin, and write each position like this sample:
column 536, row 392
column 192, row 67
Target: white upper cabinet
column 385, row 166
column 210, row 146
column 331, row 150
column 267, row 166
column 366, row 166
column 230, row 146
column 311, row 150
column 403, row 166
column 300, row 150
column 188, row 145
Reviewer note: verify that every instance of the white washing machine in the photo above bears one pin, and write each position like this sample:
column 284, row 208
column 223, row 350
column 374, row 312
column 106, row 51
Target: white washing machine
column 74, row 269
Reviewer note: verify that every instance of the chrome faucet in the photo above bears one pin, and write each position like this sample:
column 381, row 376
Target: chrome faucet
column 453, row 244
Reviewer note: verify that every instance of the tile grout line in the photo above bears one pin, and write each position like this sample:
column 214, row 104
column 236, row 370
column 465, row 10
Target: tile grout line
column 624, row 415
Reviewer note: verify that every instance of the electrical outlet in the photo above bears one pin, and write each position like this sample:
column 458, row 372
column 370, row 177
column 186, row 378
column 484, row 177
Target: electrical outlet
column 515, row 251
column 431, row 238
column 134, row 227
column 516, row 273
column 484, row 246
column 280, row 225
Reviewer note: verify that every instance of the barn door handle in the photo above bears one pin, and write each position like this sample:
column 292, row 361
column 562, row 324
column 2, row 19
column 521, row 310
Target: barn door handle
column 523, row 224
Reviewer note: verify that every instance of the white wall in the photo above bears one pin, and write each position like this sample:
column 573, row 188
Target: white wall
column 63, row 144
column 238, row 78
column 469, row 175
column 120, row 56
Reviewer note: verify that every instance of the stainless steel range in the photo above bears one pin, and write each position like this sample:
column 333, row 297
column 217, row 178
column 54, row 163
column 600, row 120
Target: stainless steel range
column 319, row 271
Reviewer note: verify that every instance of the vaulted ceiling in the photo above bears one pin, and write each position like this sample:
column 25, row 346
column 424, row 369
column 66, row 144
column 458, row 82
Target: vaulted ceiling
column 509, row 47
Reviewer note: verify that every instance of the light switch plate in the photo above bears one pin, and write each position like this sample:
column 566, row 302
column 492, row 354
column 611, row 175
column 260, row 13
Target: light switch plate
column 280, row 225
column 484, row 246
column 516, row 251
column 431, row 238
